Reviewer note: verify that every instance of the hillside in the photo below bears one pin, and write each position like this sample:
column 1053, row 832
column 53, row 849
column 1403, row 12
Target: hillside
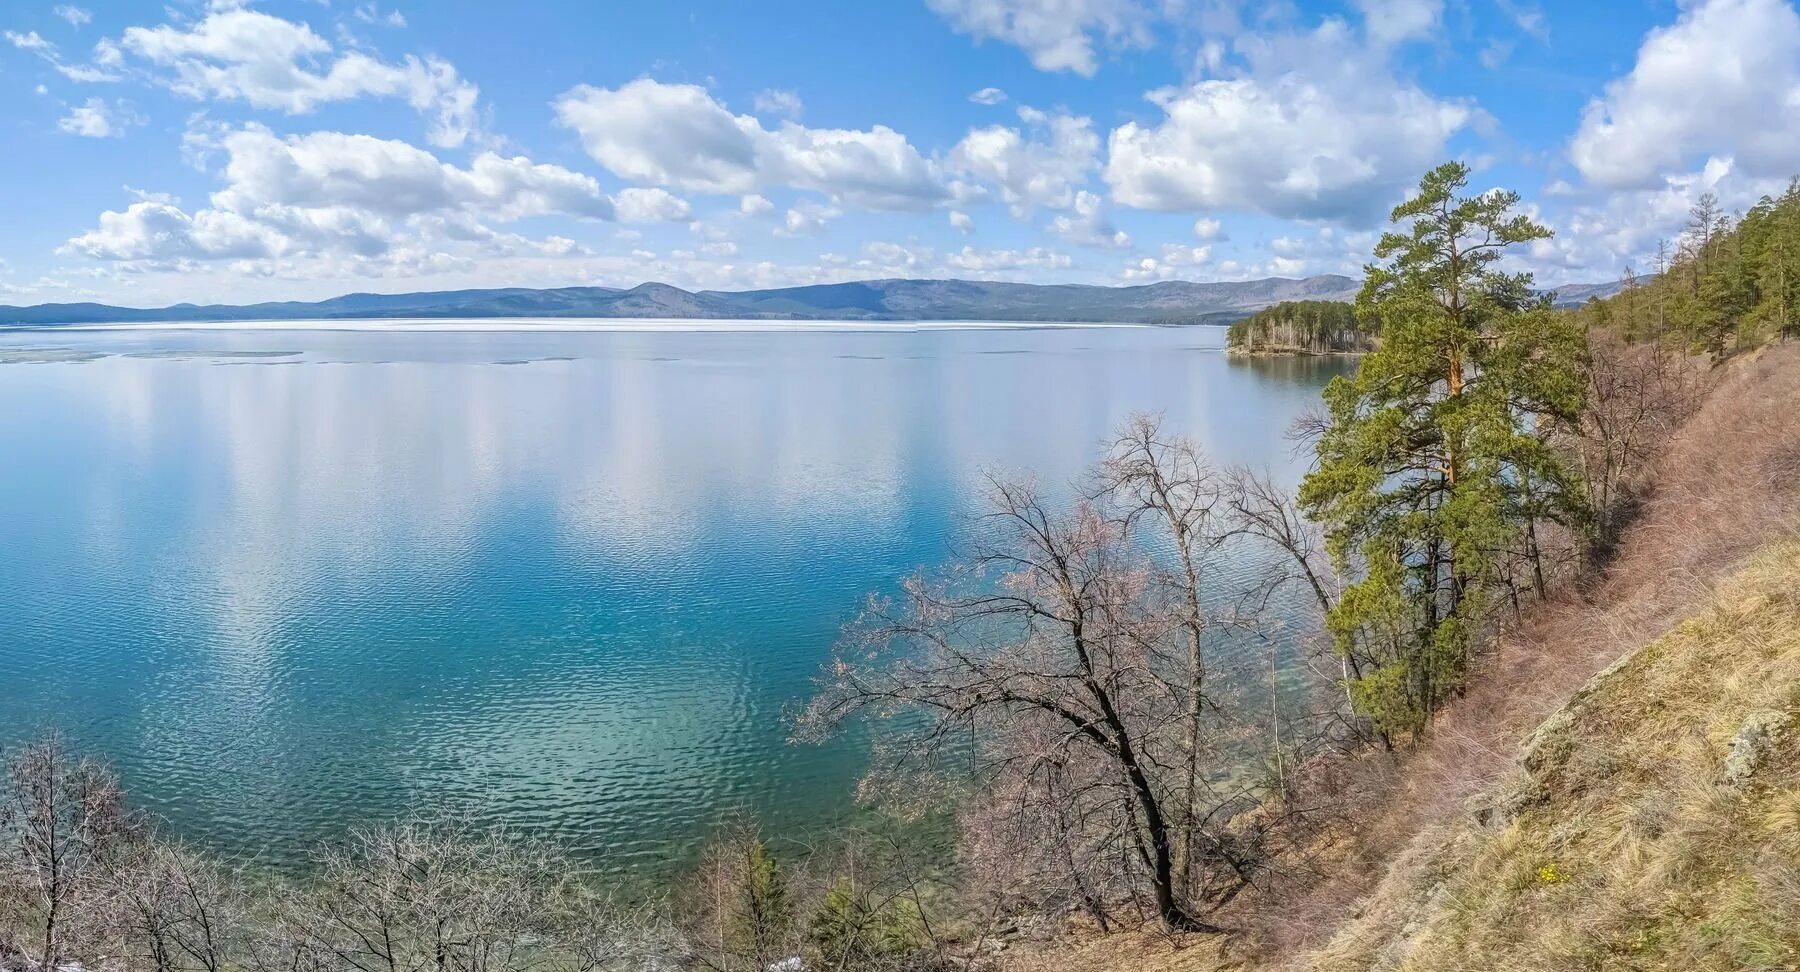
column 1654, row 823
column 1168, row 302
column 1437, row 859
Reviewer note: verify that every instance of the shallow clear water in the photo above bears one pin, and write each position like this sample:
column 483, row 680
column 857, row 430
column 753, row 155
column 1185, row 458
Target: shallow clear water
column 291, row 580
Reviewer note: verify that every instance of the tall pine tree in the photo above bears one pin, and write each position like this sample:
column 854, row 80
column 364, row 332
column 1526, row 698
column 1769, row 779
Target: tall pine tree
column 1434, row 465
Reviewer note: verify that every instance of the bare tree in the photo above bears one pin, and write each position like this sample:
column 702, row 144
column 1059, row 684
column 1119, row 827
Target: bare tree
column 1636, row 398
column 1041, row 648
column 176, row 909
column 427, row 894
column 1148, row 475
column 61, row 818
column 597, row 933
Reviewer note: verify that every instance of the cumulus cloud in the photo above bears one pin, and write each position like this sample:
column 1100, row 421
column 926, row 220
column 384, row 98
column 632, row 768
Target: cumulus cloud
column 1058, row 35
column 988, row 96
column 395, row 178
column 1087, row 224
column 775, row 101
column 1724, row 79
column 677, row 135
column 638, row 205
column 246, row 55
column 808, row 217
column 961, row 222
column 755, row 205
column 99, row 118
column 1209, row 229
column 1313, row 126
column 1597, row 236
column 373, row 202
column 1176, row 259
column 895, row 260
column 1388, row 22
column 1039, row 168
column 989, row 262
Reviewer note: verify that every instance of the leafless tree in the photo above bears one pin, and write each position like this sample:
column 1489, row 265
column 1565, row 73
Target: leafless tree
column 62, row 817
column 1163, row 482
column 1638, row 395
column 427, row 894
column 176, row 910
column 1040, row 647
column 598, row 933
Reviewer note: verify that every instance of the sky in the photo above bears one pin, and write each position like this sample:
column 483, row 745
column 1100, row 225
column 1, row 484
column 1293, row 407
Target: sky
column 232, row 151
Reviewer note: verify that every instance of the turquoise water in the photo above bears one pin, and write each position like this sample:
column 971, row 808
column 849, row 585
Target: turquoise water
column 291, row 580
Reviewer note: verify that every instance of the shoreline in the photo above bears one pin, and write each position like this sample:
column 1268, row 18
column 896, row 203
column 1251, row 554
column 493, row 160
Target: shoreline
column 572, row 324
column 1290, row 353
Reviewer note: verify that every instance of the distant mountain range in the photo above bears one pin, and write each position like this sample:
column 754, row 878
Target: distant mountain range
column 1168, row 302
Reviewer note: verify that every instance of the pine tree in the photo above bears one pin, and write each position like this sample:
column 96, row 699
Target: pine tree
column 1434, row 460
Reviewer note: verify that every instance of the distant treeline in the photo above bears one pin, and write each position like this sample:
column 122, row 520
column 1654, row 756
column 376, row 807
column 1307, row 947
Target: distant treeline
column 1727, row 284
column 1301, row 327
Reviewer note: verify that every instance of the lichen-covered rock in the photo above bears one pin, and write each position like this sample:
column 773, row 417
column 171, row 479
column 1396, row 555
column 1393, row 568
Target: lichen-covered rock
column 1760, row 732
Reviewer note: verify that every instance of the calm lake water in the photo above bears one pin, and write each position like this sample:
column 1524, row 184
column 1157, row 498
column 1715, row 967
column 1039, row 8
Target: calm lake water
column 288, row 580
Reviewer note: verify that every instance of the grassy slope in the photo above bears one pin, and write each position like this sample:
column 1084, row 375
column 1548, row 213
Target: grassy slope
column 1619, row 845
column 1728, row 485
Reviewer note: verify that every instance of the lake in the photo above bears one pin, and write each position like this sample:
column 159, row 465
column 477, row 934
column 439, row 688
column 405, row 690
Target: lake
column 289, row 579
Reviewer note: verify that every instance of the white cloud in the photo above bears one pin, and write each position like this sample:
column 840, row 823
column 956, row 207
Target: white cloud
column 775, row 101
column 1088, row 225
column 807, row 217
column 369, row 13
column 267, row 62
column 1315, row 126
column 895, row 260
column 76, row 16
column 1041, row 170
column 395, row 178
column 755, row 205
column 1388, row 22
column 989, row 262
column 1058, row 35
column 1176, row 260
column 372, row 205
column 1724, row 79
column 961, row 222
column 1527, row 17
column 1209, row 229
column 98, row 118
column 677, row 135
column 103, row 68
column 638, row 205
column 1598, row 235
column 29, row 41
column 988, row 96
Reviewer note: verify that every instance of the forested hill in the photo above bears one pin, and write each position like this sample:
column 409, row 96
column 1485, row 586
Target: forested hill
column 1301, row 327
column 1728, row 284
column 1167, row 302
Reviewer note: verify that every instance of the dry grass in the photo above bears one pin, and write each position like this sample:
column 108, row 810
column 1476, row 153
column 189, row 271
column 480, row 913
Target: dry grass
column 1728, row 485
column 1621, row 846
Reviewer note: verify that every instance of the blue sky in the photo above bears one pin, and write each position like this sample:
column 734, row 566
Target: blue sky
column 234, row 151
